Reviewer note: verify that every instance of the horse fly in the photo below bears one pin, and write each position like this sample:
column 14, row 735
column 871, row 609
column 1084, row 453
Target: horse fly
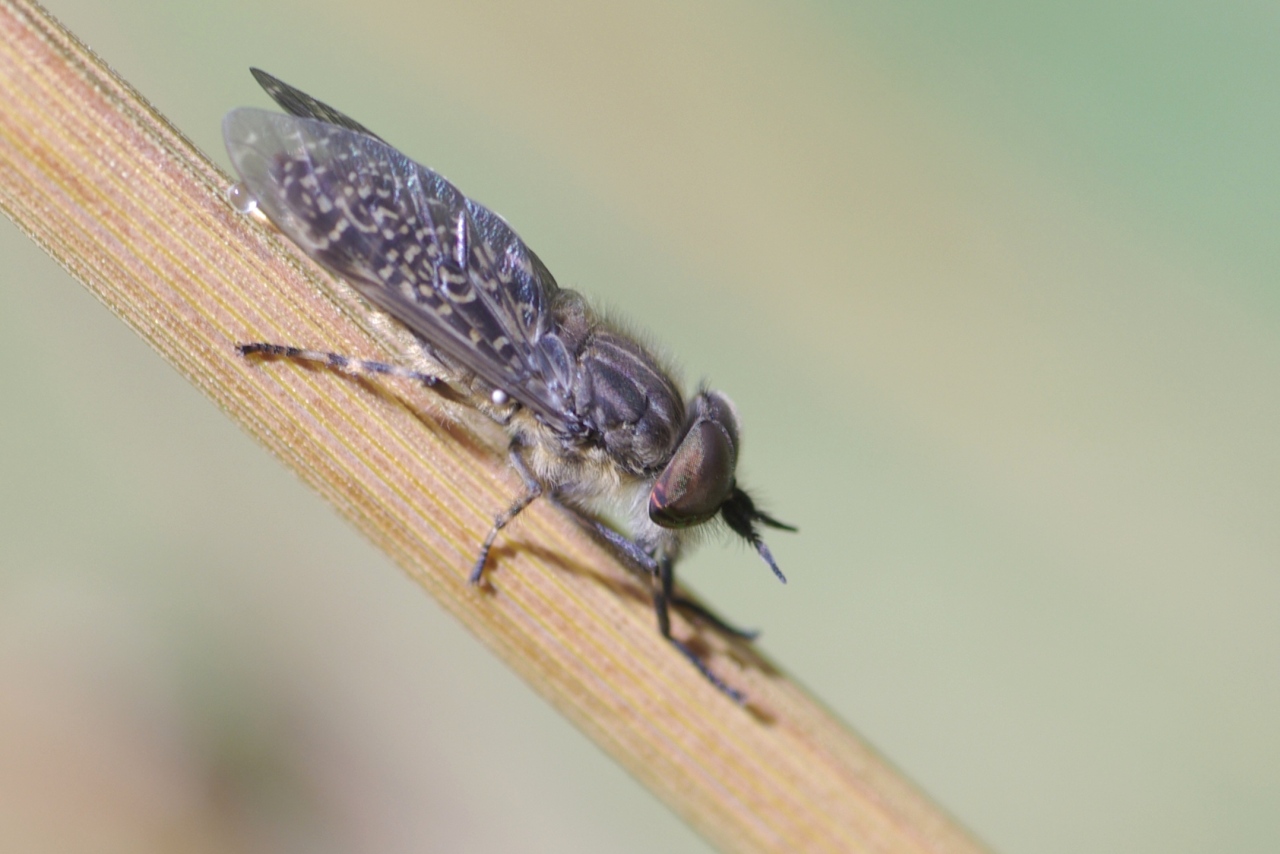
column 590, row 413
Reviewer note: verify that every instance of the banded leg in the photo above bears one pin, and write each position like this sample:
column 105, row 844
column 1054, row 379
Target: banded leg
column 533, row 490
column 338, row 362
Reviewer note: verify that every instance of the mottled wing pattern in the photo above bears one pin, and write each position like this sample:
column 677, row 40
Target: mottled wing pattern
column 527, row 269
column 530, row 281
column 450, row 270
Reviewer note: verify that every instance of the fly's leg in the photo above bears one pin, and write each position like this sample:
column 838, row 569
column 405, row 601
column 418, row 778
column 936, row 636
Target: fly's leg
column 346, row 364
column 661, row 571
column 626, row 545
column 336, row 361
column 533, row 489
column 662, row 597
column 645, row 561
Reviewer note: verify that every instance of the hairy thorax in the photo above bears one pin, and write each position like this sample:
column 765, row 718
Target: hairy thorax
column 630, row 408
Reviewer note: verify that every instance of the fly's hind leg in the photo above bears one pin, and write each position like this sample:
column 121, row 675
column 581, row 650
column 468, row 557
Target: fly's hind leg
column 336, row 361
column 533, row 490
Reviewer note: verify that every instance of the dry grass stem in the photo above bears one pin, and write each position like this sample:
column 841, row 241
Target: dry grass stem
column 132, row 210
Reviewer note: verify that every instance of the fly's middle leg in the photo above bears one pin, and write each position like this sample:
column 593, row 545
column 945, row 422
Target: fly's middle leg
column 533, row 490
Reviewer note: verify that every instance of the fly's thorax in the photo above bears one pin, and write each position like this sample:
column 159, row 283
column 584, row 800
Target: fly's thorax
column 628, row 400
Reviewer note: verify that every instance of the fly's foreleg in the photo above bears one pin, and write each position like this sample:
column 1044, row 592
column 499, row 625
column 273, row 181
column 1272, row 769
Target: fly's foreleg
column 645, row 561
column 533, row 489
column 661, row 572
column 663, row 596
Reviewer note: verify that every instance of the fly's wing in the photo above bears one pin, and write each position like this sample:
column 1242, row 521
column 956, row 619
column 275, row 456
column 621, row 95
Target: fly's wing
column 299, row 103
column 528, row 270
column 450, row 270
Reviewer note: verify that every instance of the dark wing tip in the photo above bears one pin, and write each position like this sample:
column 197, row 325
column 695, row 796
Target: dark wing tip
column 298, row 103
column 264, row 79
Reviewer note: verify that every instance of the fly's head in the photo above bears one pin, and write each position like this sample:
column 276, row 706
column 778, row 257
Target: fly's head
column 698, row 482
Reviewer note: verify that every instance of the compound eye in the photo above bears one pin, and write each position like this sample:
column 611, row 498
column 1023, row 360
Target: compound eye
column 698, row 479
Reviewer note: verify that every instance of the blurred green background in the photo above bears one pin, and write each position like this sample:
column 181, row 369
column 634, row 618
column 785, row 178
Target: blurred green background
column 993, row 286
